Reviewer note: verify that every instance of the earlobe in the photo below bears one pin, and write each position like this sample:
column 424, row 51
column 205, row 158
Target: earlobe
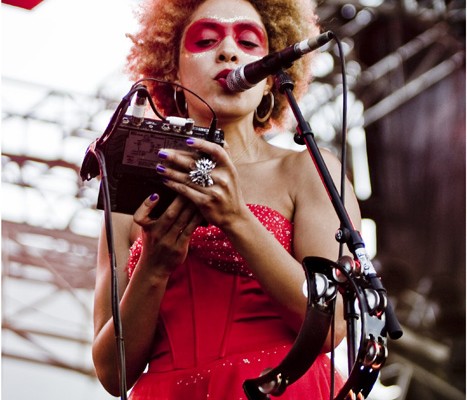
column 269, row 85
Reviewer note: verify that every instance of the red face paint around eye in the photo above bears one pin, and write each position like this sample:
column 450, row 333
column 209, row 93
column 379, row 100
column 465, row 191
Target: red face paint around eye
column 206, row 34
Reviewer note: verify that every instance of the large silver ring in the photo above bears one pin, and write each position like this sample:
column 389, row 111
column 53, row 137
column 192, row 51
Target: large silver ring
column 202, row 174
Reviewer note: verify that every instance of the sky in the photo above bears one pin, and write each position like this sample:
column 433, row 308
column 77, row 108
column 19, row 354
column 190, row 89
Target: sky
column 71, row 45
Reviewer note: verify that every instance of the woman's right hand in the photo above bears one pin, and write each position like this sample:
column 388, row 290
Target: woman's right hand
column 166, row 239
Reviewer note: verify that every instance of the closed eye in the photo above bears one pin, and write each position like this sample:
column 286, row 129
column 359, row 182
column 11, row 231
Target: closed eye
column 205, row 42
column 247, row 43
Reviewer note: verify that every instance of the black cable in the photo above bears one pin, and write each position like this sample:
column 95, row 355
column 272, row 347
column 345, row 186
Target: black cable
column 213, row 125
column 344, row 126
column 333, row 342
column 96, row 149
column 342, row 189
column 114, row 279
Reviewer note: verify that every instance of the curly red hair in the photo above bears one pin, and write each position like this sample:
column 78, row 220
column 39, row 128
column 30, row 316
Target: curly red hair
column 156, row 45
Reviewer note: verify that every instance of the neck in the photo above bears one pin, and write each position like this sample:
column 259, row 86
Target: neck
column 243, row 142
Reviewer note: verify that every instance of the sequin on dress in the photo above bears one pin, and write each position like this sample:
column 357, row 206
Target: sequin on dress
column 217, row 327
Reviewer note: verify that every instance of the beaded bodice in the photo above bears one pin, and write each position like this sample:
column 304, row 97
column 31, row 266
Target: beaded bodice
column 209, row 244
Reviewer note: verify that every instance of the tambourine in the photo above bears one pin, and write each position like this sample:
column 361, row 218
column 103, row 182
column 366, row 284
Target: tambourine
column 324, row 278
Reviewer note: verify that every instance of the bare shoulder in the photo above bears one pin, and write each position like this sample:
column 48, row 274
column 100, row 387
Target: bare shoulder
column 315, row 217
column 303, row 158
column 302, row 169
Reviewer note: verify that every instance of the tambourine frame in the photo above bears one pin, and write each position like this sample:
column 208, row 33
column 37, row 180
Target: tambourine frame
column 309, row 342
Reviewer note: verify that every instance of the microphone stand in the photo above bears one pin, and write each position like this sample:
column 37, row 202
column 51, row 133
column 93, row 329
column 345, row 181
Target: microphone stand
column 346, row 233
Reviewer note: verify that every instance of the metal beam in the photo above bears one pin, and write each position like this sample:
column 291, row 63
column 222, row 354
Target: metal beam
column 413, row 88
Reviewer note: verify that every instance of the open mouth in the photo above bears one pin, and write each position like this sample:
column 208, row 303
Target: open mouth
column 221, row 78
column 223, row 74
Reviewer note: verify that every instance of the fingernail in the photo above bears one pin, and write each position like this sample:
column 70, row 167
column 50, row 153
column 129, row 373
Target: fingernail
column 163, row 154
column 190, row 141
column 154, row 197
column 160, row 168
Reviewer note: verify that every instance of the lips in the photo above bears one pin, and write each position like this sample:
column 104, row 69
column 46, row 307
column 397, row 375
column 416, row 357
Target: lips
column 221, row 78
column 223, row 74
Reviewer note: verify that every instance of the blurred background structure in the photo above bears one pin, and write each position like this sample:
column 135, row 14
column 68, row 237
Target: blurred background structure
column 61, row 81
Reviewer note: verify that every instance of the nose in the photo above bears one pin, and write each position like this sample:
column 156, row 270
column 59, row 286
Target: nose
column 227, row 50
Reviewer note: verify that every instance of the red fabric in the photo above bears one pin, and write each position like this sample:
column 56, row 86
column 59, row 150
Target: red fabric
column 217, row 327
column 27, row 4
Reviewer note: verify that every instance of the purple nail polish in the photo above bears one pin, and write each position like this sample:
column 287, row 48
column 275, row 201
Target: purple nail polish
column 163, row 154
column 160, row 168
column 154, row 197
column 190, row 141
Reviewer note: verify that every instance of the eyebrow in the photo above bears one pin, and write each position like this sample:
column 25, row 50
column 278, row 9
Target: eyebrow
column 213, row 23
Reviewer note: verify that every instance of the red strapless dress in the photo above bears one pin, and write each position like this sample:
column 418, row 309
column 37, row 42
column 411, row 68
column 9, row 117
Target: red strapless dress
column 217, row 327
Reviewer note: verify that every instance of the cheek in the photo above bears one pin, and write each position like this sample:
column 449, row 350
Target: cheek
column 191, row 64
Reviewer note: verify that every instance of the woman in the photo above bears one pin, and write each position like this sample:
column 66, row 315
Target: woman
column 210, row 306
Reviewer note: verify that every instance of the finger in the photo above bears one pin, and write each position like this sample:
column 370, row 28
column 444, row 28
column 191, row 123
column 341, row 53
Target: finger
column 182, row 220
column 187, row 189
column 182, row 160
column 195, row 221
column 216, row 152
column 141, row 215
column 174, row 174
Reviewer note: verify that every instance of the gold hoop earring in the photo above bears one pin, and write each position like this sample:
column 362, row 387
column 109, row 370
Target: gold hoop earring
column 178, row 101
column 270, row 99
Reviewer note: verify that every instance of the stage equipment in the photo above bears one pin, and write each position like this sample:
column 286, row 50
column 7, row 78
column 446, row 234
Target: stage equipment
column 130, row 149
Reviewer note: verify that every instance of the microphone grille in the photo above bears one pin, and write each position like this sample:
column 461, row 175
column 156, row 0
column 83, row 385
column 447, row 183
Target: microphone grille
column 236, row 81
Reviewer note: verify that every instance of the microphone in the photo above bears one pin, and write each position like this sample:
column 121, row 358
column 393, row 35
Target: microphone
column 247, row 76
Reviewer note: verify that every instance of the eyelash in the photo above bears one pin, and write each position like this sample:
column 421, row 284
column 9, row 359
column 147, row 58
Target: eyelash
column 209, row 42
column 249, row 44
column 205, row 42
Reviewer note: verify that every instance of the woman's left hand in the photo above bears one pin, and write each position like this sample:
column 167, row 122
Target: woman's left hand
column 221, row 203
